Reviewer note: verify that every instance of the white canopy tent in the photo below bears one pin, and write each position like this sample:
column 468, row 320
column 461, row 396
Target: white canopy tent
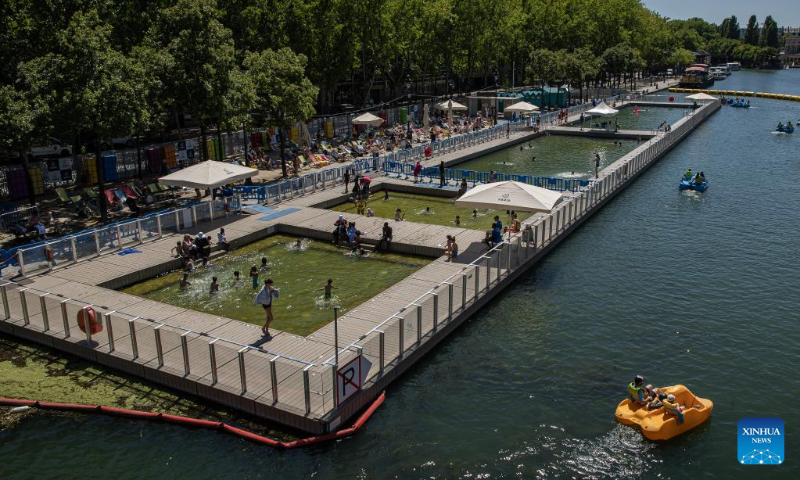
column 522, row 107
column 702, row 97
column 602, row 109
column 208, row 174
column 510, row 196
column 368, row 119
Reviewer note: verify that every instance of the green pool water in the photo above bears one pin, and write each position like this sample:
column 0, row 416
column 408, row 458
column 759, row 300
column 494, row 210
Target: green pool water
column 556, row 156
column 649, row 118
column 299, row 274
column 442, row 210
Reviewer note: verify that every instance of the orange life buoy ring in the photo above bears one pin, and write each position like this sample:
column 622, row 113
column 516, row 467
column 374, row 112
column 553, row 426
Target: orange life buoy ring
column 428, row 151
column 48, row 253
column 94, row 325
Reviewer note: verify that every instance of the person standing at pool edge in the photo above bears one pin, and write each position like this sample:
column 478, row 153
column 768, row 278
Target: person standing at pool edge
column 596, row 165
column 264, row 298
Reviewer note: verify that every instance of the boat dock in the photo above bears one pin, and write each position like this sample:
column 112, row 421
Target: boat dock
column 602, row 133
column 290, row 379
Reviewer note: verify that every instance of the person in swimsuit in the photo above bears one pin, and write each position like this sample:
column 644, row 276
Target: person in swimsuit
column 214, row 285
column 328, row 287
column 254, row 275
column 264, row 298
column 264, row 265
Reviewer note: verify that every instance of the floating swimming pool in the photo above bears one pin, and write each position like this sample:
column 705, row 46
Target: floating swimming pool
column 556, row 156
column 299, row 274
column 648, row 118
column 425, row 209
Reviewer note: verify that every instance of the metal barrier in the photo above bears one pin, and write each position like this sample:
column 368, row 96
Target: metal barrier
column 50, row 254
column 226, row 364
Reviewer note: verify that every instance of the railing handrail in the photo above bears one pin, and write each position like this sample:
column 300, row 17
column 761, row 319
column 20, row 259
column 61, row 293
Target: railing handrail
column 166, row 324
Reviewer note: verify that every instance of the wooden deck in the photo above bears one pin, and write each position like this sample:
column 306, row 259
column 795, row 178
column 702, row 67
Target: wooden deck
column 286, row 378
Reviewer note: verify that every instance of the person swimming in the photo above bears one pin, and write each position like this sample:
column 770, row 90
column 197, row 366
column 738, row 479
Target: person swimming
column 264, row 265
column 236, row 277
column 474, row 214
column 458, row 220
column 298, row 245
column 254, row 275
column 328, row 287
column 214, row 288
column 399, row 215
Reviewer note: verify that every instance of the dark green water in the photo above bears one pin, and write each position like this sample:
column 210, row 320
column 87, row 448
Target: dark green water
column 424, row 209
column 696, row 289
column 300, row 275
column 648, row 118
column 556, row 156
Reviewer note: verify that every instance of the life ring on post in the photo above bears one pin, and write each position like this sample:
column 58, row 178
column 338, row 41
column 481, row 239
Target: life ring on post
column 94, row 325
column 48, row 253
column 428, row 152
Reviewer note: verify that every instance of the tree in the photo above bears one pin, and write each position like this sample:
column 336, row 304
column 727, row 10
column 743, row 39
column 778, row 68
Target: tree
column 733, row 28
column 284, row 95
column 769, row 33
column 203, row 59
column 751, row 33
column 97, row 87
column 24, row 119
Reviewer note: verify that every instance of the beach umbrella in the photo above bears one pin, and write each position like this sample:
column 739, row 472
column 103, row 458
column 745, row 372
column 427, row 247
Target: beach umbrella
column 368, row 119
column 510, row 196
column 522, row 107
column 702, row 97
column 208, row 174
column 305, row 135
column 451, row 105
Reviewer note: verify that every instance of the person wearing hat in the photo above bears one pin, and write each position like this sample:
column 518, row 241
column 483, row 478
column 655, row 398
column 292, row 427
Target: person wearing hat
column 673, row 407
column 636, row 391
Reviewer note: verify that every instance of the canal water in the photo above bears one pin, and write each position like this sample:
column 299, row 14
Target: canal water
column 699, row 289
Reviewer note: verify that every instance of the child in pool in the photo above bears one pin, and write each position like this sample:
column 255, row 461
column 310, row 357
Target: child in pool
column 264, row 265
column 298, row 245
column 184, row 282
column 458, row 220
column 214, row 285
column 328, row 287
column 474, row 214
column 254, row 275
column 236, row 277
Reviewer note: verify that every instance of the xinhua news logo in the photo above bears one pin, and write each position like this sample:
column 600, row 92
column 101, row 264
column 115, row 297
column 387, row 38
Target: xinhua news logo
column 760, row 441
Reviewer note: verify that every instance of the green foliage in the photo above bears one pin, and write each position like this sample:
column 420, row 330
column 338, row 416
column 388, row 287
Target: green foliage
column 751, row 32
column 769, row 33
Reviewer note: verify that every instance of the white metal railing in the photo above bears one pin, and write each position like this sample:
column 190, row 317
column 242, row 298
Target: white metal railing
column 71, row 249
column 225, row 364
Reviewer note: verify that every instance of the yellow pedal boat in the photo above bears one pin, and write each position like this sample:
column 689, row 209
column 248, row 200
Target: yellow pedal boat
column 658, row 424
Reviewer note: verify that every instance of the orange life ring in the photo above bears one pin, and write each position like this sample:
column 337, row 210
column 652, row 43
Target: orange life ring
column 428, row 151
column 48, row 253
column 94, row 325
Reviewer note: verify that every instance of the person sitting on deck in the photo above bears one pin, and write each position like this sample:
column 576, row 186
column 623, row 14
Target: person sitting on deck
column 497, row 233
column 673, row 407
column 340, row 229
column 636, row 392
column 688, row 174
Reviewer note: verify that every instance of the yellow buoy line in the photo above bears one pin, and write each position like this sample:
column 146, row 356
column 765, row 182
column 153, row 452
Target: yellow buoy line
column 738, row 93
